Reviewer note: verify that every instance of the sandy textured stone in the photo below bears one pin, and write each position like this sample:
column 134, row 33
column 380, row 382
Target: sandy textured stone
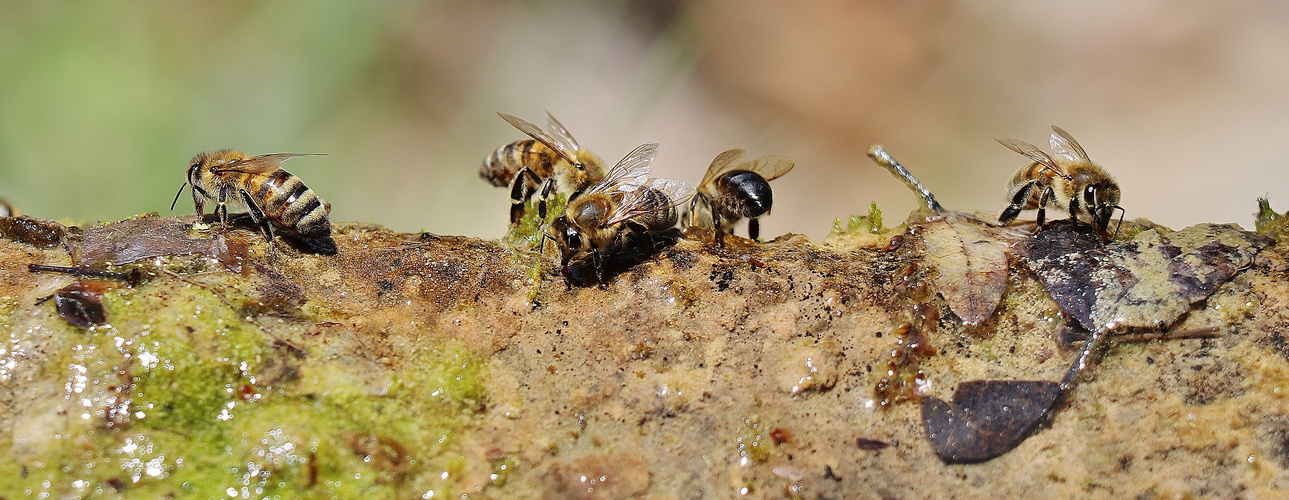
column 415, row 363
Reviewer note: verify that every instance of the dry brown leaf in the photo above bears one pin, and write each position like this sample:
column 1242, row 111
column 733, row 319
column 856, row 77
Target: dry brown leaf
column 970, row 260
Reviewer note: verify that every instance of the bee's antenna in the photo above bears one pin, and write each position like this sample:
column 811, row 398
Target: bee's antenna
column 541, row 247
column 1122, row 212
column 181, row 191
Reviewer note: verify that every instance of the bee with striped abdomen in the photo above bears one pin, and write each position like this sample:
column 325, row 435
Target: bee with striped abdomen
column 550, row 161
column 621, row 209
column 274, row 198
column 735, row 187
column 1067, row 179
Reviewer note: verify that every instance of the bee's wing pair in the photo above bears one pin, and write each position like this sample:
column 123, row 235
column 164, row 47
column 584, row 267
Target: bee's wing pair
column 261, row 164
column 1063, row 145
column 555, row 137
column 629, row 180
column 769, row 167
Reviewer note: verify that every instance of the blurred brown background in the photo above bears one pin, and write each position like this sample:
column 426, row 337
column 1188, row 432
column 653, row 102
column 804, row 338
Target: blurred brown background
column 102, row 104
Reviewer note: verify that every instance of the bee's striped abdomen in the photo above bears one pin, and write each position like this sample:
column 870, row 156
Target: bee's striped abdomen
column 289, row 203
column 658, row 212
column 502, row 165
column 1032, row 172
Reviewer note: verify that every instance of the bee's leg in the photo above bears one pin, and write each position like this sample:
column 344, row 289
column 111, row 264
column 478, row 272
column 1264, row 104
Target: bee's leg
column 198, row 201
column 521, row 187
column 718, row 236
column 718, row 221
column 1042, row 204
column 222, row 209
column 258, row 217
column 692, row 213
column 1074, row 210
column 545, row 195
column 621, row 239
column 754, row 228
column 1017, row 204
column 599, row 269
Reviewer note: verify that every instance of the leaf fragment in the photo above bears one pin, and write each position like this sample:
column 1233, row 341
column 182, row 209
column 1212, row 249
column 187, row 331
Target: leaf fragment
column 986, row 418
column 970, row 259
column 1150, row 281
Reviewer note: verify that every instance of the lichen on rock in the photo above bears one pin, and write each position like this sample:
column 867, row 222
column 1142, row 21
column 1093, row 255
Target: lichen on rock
column 413, row 363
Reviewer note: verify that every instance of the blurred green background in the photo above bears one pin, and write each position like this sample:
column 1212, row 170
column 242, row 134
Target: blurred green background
column 103, row 103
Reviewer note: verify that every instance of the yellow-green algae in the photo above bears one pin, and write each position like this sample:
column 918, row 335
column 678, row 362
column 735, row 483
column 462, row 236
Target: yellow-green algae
column 529, row 236
column 528, row 233
column 171, row 398
column 862, row 230
column 871, row 223
column 1270, row 222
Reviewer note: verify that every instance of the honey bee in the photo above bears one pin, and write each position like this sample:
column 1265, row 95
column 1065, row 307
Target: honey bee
column 1069, row 180
column 615, row 212
column 735, row 187
column 551, row 160
column 274, row 198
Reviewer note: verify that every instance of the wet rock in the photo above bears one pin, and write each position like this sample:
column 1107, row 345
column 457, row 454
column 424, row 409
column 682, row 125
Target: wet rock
column 607, row 476
column 805, row 366
column 407, row 364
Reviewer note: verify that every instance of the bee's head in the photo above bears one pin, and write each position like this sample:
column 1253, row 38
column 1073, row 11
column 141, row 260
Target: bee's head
column 1101, row 199
column 194, row 171
column 193, row 178
column 569, row 239
column 198, row 168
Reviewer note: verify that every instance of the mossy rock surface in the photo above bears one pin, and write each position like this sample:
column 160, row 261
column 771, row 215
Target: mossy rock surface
column 412, row 363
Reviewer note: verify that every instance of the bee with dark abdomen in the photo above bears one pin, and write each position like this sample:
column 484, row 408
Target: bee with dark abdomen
column 735, row 187
column 1067, row 179
column 625, row 203
column 550, row 161
column 274, row 198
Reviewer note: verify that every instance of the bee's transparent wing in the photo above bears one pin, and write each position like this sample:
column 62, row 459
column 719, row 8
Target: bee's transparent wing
column 260, row 164
column 560, row 134
column 1064, row 145
column 629, row 174
column 1032, row 152
column 541, row 136
column 729, row 160
column 675, row 192
column 771, row 167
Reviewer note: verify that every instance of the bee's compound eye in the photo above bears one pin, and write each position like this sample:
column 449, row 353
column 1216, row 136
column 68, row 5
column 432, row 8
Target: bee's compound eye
column 572, row 237
column 566, row 234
